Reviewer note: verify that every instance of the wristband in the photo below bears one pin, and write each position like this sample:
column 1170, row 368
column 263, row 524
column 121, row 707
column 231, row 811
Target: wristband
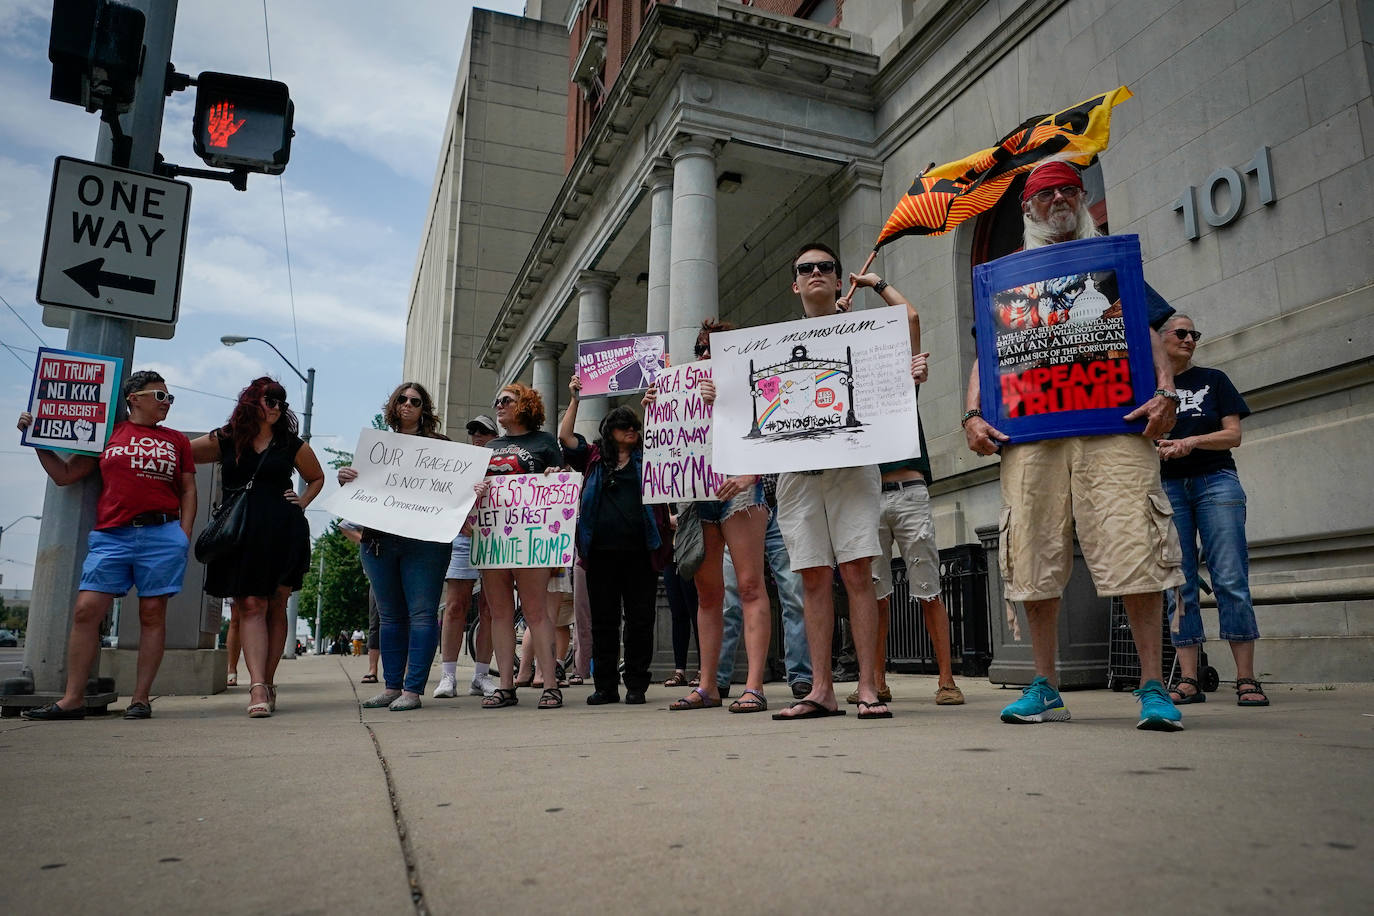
column 969, row 415
column 1170, row 395
column 879, row 287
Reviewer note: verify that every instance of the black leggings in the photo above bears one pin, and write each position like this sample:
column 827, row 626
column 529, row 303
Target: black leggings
column 682, row 601
column 621, row 584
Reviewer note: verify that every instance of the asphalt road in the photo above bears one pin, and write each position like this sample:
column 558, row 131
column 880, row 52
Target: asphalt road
column 11, row 660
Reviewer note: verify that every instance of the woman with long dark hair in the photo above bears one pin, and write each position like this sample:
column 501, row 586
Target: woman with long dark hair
column 259, row 448
column 407, row 574
column 622, row 544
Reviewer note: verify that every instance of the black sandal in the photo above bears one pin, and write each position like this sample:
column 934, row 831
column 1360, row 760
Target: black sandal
column 551, row 698
column 679, row 679
column 502, row 698
column 1183, row 699
column 1246, row 685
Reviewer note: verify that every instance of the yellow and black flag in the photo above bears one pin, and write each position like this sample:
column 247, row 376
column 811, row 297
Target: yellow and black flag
column 944, row 196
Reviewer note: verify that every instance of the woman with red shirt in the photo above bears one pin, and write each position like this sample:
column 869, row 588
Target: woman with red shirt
column 142, row 530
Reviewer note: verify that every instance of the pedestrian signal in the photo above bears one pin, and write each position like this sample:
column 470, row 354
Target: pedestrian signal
column 243, row 123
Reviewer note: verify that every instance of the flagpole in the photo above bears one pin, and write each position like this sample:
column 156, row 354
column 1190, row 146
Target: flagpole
column 843, row 304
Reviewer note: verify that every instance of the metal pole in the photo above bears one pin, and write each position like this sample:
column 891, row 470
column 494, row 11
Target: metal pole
column 293, row 603
column 319, row 605
column 69, row 512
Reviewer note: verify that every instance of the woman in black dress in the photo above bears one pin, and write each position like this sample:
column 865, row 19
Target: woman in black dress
column 259, row 444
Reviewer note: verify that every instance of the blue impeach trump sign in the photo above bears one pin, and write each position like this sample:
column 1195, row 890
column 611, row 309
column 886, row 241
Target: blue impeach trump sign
column 1064, row 339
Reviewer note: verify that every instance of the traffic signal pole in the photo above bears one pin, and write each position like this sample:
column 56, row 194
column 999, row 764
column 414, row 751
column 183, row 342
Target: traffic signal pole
column 69, row 512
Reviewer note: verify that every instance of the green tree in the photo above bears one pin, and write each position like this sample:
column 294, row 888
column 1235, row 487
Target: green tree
column 343, row 585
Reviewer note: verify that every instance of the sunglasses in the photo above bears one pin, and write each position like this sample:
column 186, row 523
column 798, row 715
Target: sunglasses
column 405, row 399
column 503, row 402
column 806, row 267
column 1068, row 191
column 272, row 403
column 701, row 350
column 158, row 394
column 1184, row 334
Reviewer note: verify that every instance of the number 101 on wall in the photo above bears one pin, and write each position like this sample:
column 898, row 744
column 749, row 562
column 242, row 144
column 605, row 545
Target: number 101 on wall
column 1235, row 194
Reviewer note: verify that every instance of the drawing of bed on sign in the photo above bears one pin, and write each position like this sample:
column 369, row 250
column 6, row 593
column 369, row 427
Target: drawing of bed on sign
column 813, row 394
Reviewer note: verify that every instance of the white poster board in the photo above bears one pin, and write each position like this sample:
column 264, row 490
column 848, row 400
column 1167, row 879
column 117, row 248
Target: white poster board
column 527, row 521
column 409, row 485
column 677, row 439
column 832, row 392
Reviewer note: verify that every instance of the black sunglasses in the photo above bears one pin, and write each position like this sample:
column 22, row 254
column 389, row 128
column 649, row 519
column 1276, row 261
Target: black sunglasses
column 806, row 267
column 502, row 402
column 1184, row 334
column 272, row 403
column 406, row 399
column 701, row 349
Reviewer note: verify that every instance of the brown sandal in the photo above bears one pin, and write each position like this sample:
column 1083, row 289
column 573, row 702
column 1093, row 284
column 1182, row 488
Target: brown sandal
column 551, row 698
column 679, row 679
column 750, row 701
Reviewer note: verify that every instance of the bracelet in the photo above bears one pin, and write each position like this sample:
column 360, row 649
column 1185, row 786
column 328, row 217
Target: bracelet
column 879, row 287
column 1170, row 395
column 969, row 415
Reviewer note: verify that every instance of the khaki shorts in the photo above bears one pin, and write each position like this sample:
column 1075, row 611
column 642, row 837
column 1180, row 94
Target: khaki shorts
column 1105, row 486
column 565, row 610
column 830, row 517
column 906, row 520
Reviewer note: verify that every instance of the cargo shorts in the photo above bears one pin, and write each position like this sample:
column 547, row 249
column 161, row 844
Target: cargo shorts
column 1108, row 488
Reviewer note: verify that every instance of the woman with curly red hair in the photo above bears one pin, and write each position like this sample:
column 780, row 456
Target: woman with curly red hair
column 524, row 449
column 258, row 448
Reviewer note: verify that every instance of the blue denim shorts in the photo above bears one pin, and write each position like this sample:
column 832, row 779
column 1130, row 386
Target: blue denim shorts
column 715, row 511
column 151, row 559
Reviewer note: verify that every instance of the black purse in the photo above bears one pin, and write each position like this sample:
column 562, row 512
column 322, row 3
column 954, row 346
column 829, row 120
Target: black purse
column 228, row 523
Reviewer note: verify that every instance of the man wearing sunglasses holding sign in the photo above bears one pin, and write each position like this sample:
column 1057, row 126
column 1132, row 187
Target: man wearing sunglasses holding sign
column 1107, row 487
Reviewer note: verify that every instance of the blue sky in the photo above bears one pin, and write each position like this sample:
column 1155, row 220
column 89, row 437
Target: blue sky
column 372, row 85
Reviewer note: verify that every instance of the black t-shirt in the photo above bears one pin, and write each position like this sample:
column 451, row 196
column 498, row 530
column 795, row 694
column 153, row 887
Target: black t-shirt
column 530, row 453
column 1208, row 395
column 921, row 463
column 620, row 513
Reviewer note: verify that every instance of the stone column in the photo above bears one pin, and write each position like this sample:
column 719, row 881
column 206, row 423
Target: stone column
column 660, row 185
column 593, row 320
column 544, row 364
column 695, row 289
column 858, row 193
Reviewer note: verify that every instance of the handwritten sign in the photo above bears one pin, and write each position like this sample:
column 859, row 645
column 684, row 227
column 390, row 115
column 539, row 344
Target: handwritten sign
column 1063, row 339
column 527, row 521
column 611, row 366
column 73, row 400
column 831, row 392
column 677, row 439
column 412, row 486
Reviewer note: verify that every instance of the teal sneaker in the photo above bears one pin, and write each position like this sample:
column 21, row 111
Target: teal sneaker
column 1157, row 712
column 1039, row 703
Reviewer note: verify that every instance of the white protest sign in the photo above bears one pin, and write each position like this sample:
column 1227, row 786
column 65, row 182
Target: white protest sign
column 832, row 392
column 527, row 521
column 677, row 439
column 410, row 485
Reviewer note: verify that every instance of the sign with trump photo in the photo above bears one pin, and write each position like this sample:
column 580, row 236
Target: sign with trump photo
column 1063, row 339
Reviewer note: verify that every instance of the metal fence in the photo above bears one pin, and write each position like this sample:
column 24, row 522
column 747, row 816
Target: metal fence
column 964, row 589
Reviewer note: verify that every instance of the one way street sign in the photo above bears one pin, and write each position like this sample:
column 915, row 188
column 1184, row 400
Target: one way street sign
column 115, row 241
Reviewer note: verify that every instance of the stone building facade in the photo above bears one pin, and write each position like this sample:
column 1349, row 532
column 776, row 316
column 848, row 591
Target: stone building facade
column 732, row 133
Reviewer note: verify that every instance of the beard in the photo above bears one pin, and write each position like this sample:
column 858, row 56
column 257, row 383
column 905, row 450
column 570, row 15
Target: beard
column 1061, row 224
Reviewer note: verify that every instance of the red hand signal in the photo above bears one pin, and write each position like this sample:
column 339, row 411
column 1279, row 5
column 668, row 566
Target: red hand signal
column 221, row 124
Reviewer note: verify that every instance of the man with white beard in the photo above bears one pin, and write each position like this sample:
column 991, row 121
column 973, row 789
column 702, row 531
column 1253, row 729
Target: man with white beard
column 1106, row 486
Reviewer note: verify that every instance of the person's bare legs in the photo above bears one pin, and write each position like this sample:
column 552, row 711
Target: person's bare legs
column 538, row 626
column 499, row 587
column 457, row 603
column 710, row 583
column 152, row 637
column 83, row 644
column 551, row 612
column 373, row 657
column 937, row 625
column 1145, row 613
column 857, row 576
column 818, row 604
column 257, row 643
column 231, row 642
column 880, row 661
column 482, row 641
column 276, row 630
column 1042, row 619
column 744, row 533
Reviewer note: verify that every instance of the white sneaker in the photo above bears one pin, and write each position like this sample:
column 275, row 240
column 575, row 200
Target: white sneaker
column 482, row 686
column 448, row 686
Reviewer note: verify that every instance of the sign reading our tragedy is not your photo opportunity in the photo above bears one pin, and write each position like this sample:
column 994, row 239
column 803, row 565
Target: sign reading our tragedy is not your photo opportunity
column 409, row 485
column 527, row 521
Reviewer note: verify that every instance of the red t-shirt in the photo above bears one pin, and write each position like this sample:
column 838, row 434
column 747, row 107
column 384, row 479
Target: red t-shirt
column 142, row 468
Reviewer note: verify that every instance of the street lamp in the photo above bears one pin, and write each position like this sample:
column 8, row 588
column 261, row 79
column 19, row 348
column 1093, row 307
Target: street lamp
column 309, row 378
column 5, row 528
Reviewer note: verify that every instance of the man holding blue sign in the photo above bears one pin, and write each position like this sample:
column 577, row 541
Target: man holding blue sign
column 1106, row 485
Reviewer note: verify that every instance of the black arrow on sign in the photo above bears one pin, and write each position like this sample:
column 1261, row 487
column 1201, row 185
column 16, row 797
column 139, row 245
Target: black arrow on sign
column 90, row 277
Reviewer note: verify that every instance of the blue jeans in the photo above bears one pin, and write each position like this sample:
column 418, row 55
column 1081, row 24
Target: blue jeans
column 1211, row 507
column 796, row 654
column 407, row 579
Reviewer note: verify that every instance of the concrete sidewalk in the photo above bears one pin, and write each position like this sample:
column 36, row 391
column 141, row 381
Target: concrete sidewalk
column 615, row 809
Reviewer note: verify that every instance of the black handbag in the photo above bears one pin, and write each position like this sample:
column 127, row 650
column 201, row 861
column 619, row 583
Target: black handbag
column 228, row 523
column 689, row 544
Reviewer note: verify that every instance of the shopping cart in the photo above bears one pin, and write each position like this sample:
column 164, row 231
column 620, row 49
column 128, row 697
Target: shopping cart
column 1123, row 664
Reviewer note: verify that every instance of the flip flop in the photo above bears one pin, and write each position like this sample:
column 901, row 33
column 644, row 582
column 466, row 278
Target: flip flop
column 865, row 714
column 368, row 679
column 814, row 711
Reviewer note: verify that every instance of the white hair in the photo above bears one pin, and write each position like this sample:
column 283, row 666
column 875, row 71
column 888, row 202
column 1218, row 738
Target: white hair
column 1038, row 235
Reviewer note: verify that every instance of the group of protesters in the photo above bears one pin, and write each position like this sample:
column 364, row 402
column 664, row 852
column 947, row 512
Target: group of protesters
column 808, row 527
